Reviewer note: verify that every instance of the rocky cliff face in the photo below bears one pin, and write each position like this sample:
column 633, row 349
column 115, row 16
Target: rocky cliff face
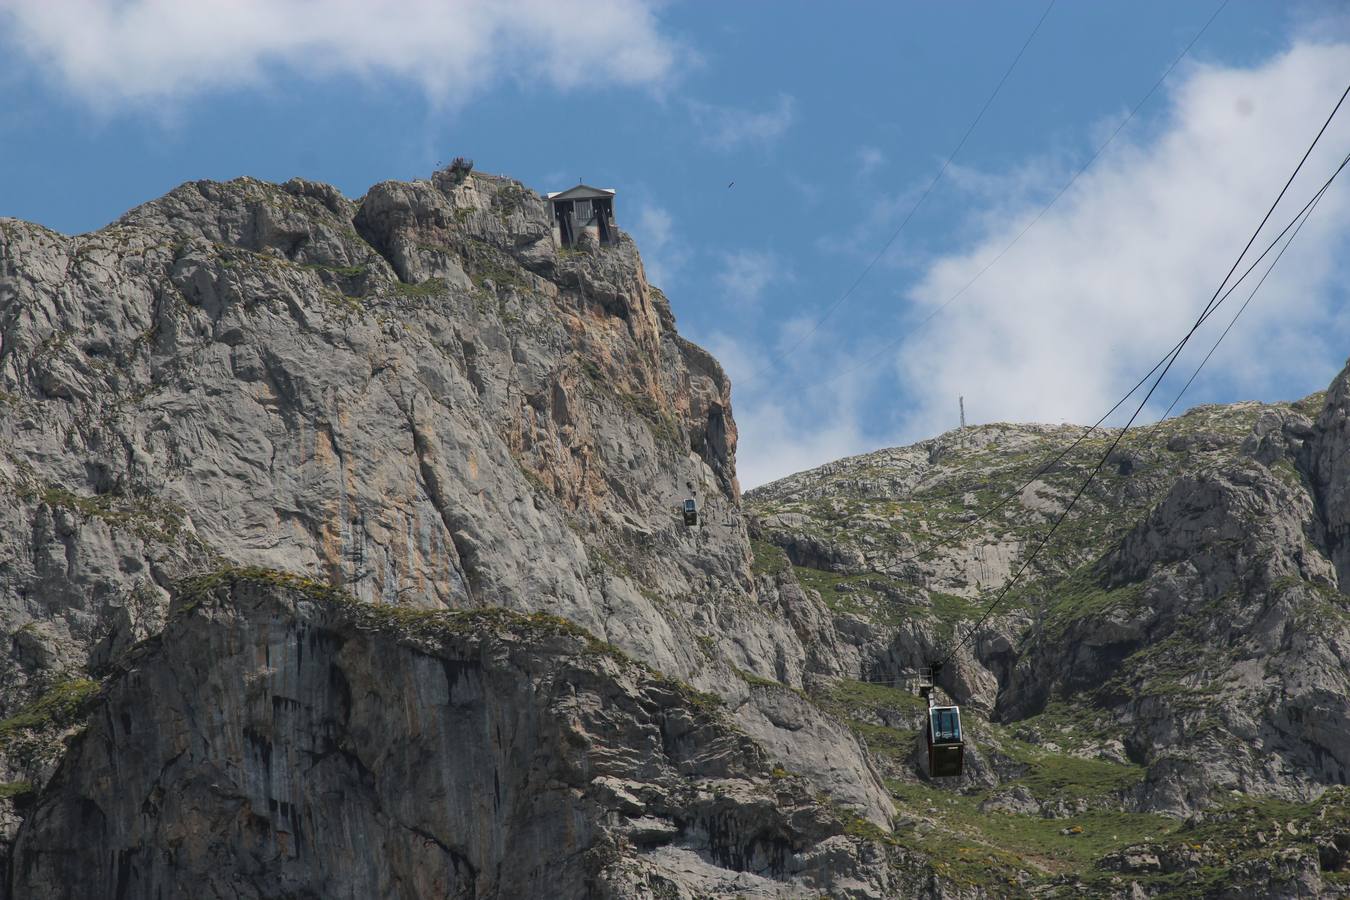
column 1182, row 647
column 302, row 743
column 341, row 556
column 412, row 397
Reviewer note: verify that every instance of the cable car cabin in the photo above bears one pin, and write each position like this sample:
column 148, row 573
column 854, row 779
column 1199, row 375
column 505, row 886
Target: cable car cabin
column 946, row 752
column 690, row 512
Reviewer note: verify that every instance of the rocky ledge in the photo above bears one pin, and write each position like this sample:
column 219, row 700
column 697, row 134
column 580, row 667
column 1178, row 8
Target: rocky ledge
column 280, row 738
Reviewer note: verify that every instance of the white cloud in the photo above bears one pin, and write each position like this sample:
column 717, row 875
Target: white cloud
column 656, row 225
column 774, row 442
column 1089, row 299
column 728, row 128
column 147, row 50
column 663, row 252
column 1113, row 275
column 1321, row 20
column 869, row 159
column 994, row 198
column 810, row 192
column 746, row 274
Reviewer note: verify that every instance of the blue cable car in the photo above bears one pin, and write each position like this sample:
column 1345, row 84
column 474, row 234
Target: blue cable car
column 946, row 752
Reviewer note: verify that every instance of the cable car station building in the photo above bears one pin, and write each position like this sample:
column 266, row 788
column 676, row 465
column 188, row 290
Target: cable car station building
column 583, row 210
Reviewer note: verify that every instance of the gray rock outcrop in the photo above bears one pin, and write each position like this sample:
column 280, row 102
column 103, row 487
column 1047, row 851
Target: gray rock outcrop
column 300, row 743
column 412, row 397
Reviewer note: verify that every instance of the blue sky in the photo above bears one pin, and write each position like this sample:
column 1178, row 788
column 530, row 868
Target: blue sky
column 830, row 121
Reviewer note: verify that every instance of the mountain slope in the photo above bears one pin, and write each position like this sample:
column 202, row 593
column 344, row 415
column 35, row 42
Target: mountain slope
column 1184, row 639
column 320, row 512
column 386, row 752
column 412, row 397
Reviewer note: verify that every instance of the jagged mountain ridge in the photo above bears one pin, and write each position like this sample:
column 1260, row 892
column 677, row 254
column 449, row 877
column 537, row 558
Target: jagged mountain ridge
column 414, row 398
column 1188, row 627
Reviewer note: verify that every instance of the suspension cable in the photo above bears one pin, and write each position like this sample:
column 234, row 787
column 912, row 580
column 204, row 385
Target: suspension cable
column 1209, row 307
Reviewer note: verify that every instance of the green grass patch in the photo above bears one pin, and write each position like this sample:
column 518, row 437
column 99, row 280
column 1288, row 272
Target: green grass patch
column 754, row 680
column 340, row 271
column 1244, row 831
column 535, row 480
column 1238, row 824
column 13, row 789
column 1061, row 776
column 984, row 848
column 859, row 704
column 846, row 697
column 64, row 704
column 758, row 681
column 416, row 624
column 1285, row 471
column 1080, row 596
column 662, row 424
column 591, row 369
column 950, row 609
column 429, row 288
column 498, row 271
column 895, row 744
column 1311, row 405
column 849, row 593
column 1071, row 725
column 149, row 518
column 767, row 559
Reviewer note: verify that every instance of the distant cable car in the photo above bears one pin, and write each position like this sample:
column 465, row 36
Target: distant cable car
column 946, row 750
column 690, row 512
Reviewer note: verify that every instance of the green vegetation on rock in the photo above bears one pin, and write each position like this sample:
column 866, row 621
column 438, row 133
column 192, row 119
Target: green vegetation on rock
column 63, row 704
column 149, row 518
column 429, row 288
column 417, row 624
column 13, row 789
column 34, row 735
column 767, row 559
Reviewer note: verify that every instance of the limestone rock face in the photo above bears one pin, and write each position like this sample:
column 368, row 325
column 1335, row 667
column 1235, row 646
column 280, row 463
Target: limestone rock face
column 1326, row 457
column 236, row 362
column 301, row 743
column 412, row 397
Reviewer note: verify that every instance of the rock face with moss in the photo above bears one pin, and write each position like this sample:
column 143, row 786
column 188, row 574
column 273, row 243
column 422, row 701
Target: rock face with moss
column 1180, row 647
column 413, row 397
column 303, row 743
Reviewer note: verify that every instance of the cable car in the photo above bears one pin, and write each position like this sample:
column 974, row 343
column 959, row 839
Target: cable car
column 690, row 512
column 946, row 752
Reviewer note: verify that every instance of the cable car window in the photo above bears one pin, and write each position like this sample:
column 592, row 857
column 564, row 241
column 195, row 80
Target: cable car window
column 946, row 724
